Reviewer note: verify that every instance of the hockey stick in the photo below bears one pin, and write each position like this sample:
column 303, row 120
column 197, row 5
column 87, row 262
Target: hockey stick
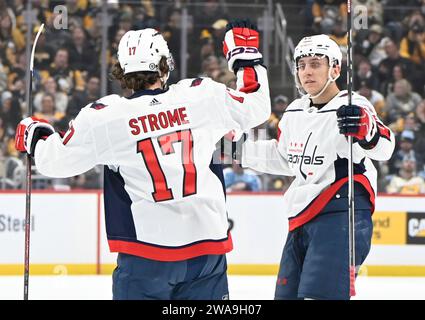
column 28, row 176
column 351, row 231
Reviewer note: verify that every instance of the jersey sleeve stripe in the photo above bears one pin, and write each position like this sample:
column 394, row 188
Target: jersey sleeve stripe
column 250, row 80
column 384, row 131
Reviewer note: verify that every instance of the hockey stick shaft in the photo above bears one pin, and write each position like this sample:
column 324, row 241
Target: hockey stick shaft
column 351, row 221
column 29, row 178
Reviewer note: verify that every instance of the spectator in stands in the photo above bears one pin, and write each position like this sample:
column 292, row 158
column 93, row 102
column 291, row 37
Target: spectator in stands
column 144, row 16
column 375, row 98
column 393, row 58
column 207, row 48
column 240, row 179
column 93, row 26
column 10, row 36
column 44, row 54
column 81, row 52
column 280, row 103
column 227, row 78
column 398, row 73
column 404, row 149
column 17, row 69
column 48, row 110
column 411, row 123
column 172, row 34
column 218, row 30
column 412, row 46
column 115, row 42
column 407, row 181
column 365, row 73
column 67, row 79
column 126, row 20
column 81, row 98
column 419, row 146
column 401, row 102
column 339, row 34
column 211, row 68
column 372, row 46
column 415, row 17
column 325, row 13
column 208, row 13
column 18, row 89
column 113, row 86
column 50, row 86
column 10, row 112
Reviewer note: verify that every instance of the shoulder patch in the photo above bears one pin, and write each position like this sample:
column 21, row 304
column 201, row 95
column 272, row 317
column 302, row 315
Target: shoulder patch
column 97, row 105
column 196, row 82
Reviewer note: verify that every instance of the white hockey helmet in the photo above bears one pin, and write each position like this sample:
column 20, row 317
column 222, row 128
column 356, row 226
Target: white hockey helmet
column 321, row 45
column 142, row 50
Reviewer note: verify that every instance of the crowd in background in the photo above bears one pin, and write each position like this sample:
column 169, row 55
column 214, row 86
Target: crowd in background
column 389, row 60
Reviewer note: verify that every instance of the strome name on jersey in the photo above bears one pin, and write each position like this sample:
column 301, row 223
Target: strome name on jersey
column 161, row 120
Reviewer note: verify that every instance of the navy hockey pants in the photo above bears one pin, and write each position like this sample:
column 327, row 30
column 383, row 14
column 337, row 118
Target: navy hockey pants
column 315, row 260
column 200, row 278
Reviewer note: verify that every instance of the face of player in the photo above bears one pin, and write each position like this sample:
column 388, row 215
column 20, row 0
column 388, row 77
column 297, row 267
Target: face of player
column 313, row 73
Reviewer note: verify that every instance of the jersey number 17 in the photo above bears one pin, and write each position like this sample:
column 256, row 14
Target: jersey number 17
column 166, row 143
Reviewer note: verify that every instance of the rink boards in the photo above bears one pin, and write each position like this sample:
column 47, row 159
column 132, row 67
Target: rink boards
column 68, row 236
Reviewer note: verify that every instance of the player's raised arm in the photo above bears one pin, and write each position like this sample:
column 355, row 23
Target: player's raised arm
column 241, row 49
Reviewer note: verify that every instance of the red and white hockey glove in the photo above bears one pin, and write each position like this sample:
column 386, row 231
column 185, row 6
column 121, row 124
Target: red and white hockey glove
column 357, row 122
column 29, row 131
column 241, row 44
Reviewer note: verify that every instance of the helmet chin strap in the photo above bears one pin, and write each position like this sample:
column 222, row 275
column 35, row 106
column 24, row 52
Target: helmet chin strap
column 330, row 79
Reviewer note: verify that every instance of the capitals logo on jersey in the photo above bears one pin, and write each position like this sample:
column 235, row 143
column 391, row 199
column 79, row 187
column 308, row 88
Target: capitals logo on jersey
column 301, row 154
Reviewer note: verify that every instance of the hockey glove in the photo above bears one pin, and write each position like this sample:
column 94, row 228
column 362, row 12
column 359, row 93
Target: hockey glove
column 29, row 131
column 240, row 45
column 357, row 122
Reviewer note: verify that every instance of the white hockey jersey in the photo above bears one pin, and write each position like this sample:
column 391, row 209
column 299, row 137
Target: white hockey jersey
column 162, row 199
column 311, row 148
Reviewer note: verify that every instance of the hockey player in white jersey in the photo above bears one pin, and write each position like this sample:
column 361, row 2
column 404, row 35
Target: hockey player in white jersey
column 313, row 147
column 164, row 205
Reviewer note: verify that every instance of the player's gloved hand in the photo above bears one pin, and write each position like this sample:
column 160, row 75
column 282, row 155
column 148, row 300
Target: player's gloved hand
column 357, row 122
column 240, row 45
column 29, row 131
column 232, row 148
